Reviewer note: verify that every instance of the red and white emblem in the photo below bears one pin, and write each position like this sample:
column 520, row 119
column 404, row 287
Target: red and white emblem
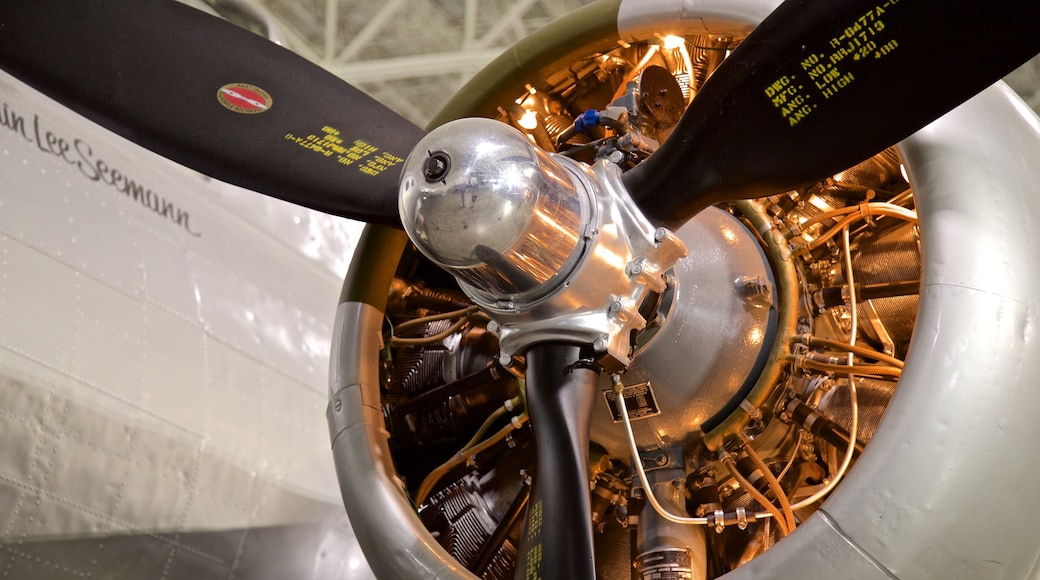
column 244, row 98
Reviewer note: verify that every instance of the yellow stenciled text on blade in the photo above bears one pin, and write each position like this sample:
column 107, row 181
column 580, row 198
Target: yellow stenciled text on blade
column 822, row 75
column 365, row 156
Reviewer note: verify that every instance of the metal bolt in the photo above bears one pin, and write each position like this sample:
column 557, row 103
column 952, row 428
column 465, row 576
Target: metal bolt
column 525, row 477
column 615, row 306
column 504, row 359
column 436, row 166
column 742, row 522
column 756, row 290
column 492, row 327
column 720, row 521
column 600, row 345
column 660, row 234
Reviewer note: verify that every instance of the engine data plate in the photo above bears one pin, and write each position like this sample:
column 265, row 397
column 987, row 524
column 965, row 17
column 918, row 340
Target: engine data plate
column 639, row 400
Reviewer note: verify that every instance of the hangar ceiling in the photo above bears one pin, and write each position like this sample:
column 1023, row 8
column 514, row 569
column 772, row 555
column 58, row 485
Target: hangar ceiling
column 413, row 55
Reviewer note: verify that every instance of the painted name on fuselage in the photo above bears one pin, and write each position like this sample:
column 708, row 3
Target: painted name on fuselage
column 79, row 153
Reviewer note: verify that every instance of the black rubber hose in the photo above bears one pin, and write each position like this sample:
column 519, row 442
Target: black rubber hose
column 819, row 425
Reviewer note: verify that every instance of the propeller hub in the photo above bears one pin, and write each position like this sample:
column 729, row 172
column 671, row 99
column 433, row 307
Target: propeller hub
column 480, row 200
column 552, row 249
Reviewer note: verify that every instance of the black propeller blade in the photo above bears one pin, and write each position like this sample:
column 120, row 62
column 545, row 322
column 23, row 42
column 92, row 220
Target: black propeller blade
column 557, row 539
column 822, row 85
column 213, row 97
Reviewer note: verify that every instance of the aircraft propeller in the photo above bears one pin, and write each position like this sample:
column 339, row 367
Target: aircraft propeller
column 807, row 93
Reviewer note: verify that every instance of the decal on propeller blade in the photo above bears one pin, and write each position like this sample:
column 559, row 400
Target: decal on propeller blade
column 244, row 98
column 366, row 157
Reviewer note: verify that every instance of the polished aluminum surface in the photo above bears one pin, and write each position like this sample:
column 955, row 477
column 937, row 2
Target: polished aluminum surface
column 550, row 248
column 481, row 200
column 626, row 258
column 712, row 337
